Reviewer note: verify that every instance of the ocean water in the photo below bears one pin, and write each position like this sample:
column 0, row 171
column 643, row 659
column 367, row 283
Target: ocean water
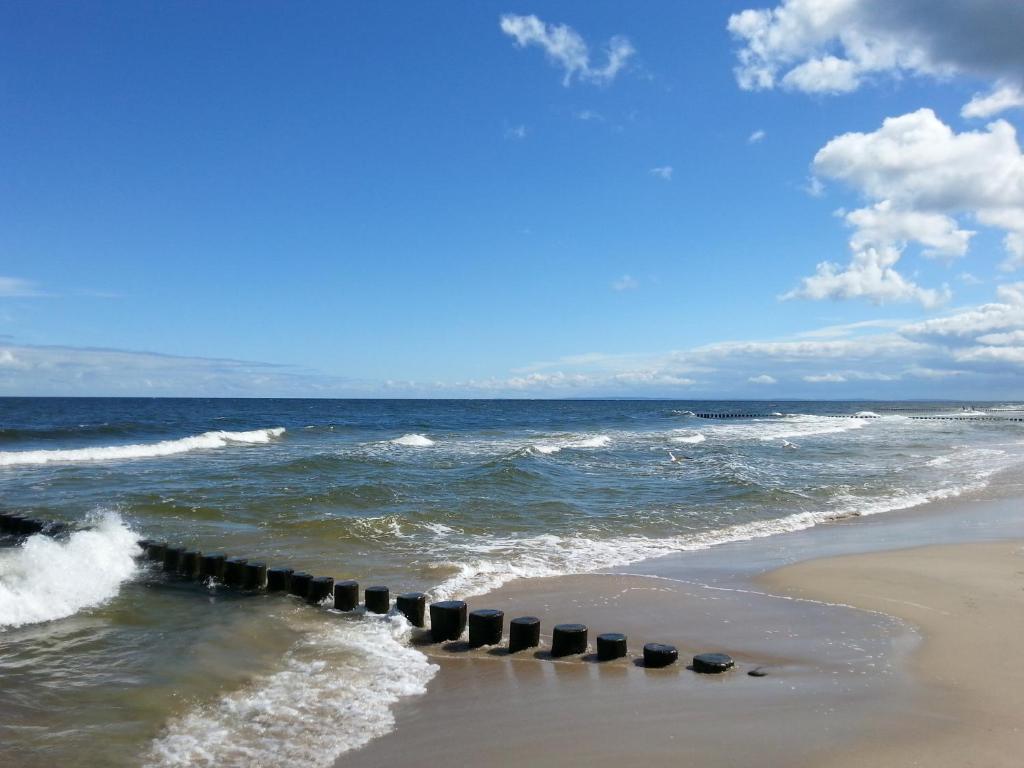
column 106, row 662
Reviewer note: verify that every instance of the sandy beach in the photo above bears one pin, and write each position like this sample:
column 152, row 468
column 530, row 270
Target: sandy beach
column 967, row 599
column 897, row 658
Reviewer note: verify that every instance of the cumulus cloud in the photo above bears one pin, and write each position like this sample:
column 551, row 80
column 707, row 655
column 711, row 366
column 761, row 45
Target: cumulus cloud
column 825, row 378
column 870, row 275
column 834, row 46
column 1000, row 99
column 922, row 175
column 567, row 49
column 764, row 378
column 756, row 137
column 663, row 172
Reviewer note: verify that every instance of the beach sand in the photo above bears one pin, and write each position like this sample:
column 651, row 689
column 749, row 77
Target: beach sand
column 844, row 686
column 968, row 600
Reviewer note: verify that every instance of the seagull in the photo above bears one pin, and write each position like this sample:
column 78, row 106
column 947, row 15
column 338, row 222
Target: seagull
column 791, row 446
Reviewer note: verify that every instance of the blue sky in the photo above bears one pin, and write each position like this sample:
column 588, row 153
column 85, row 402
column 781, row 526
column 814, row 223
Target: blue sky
column 512, row 199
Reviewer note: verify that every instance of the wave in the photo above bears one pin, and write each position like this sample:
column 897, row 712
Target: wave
column 689, row 439
column 867, row 415
column 334, row 693
column 16, row 434
column 596, row 441
column 793, row 425
column 46, row 579
column 413, row 440
column 494, row 561
column 205, row 441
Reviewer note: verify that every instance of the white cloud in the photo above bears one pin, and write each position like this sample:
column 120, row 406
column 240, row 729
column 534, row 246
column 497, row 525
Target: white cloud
column 968, row 279
column 663, row 172
column 515, row 132
column 1000, row 99
column 833, row 46
column 588, row 115
column 764, row 378
column 869, row 275
column 826, row 378
column 16, row 287
column 814, row 187
column 566, row 48
column 756, row 137
column 921, row 175
column 625, row 283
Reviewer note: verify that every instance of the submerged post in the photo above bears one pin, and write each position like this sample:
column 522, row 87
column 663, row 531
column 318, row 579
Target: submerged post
column 346, row 595
column 279, row 579
column 155, row 551
column 234, row 571
column 569, row 639
column 447, row 620
column 300, row 583
column 659, row 655
column 413, row 605
column 377, row 599
column 523, row 633
column 190, row 563
column 212, row 566
column 172, row 559
column 255, row 576
column 611, row 645
column 485, row 627
column 320, row 588
column 712, row 663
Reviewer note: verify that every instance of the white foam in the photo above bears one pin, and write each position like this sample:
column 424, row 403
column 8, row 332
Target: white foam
column 793, row 425
column 205, row 441
column 334, row 693
column 493, row 561
column 413, row 440
column 689, row 439
column 46, row 579
column 594, row 441
column 867, row 415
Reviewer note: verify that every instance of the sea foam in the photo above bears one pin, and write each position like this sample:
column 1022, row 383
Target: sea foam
column 46, row 579
column 205, row 441
column 312, row 709
column 413, row 440
column 689, row 439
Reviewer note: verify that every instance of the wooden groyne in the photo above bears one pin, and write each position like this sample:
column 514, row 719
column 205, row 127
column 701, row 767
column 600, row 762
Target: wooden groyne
column 965, row 417
column 448, row 619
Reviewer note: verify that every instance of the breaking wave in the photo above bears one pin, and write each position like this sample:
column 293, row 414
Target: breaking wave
column 46, row 579
column 334, row 693
column 413, row 440
column 205, row 441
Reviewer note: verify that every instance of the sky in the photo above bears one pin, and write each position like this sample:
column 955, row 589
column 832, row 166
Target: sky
column 796, row 199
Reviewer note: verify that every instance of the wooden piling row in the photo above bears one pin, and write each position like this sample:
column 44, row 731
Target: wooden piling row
column 449, row 619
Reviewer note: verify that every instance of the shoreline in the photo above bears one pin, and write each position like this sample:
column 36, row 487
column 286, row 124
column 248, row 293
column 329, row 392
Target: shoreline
column 966, row 599
column 836, row 674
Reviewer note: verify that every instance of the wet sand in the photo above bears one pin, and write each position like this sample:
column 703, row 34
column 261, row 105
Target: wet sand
column 844, row 685
column 968, row 600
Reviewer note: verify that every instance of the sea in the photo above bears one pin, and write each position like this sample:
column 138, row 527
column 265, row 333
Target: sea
column 105, row 660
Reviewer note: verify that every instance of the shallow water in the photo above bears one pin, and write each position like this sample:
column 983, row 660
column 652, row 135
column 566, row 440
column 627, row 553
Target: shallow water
column 104, row 658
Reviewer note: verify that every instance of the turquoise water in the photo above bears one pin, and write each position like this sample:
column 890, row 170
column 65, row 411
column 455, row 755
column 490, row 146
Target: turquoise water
column 104, row 657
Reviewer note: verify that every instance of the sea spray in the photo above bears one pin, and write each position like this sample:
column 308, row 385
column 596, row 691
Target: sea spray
column 46, row 579
column 207, row 440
